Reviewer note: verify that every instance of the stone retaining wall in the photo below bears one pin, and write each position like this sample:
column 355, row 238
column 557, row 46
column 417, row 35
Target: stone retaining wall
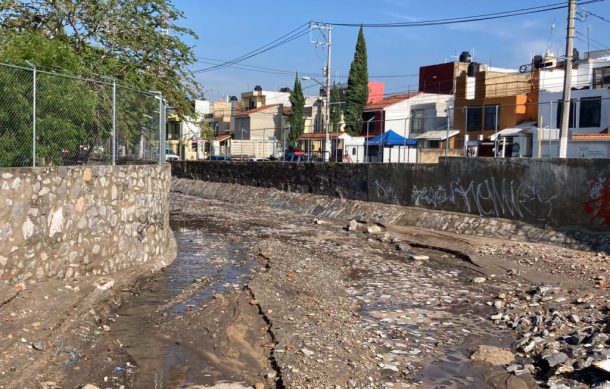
column 79, row 220
column 543, row 193
column 343, row 209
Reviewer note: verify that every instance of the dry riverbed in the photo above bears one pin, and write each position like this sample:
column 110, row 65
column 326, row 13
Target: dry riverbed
column 264, row 298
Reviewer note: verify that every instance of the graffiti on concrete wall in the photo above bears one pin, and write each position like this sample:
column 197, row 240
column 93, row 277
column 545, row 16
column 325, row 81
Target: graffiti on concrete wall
column 598, row 203
column 490, row 197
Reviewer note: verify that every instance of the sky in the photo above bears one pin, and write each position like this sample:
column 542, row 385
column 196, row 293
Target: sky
column 229, row 29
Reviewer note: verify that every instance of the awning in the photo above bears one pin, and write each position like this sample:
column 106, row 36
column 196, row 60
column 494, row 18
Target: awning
column 390, row 138
column 319, row 135
column 525, row 127
column 222, row 138
column 437, row 135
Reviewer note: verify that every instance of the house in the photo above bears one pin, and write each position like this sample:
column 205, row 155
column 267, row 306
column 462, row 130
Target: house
column 259, row 98
column 258, row 132
column 314, row 136
column 488, row 100
column 441, row 78
column 411, row 115
column 184, row 134
column 589, row 119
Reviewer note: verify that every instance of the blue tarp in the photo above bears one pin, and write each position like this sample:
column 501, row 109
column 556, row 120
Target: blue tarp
column 390, row 138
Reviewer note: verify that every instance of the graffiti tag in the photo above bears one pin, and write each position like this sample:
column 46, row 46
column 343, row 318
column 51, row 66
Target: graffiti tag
column 488, row 198
column 598, row 204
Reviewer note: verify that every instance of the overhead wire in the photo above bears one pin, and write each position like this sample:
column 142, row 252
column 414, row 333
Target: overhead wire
column 464, row 19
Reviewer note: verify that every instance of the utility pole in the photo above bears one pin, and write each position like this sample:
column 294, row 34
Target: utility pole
column 327, row 42
column 567, row 83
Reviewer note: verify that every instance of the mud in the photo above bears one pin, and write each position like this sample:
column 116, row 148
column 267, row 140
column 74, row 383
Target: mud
column 270, row 298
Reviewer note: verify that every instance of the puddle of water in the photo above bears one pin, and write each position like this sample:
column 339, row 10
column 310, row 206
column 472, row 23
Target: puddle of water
column 202, row 254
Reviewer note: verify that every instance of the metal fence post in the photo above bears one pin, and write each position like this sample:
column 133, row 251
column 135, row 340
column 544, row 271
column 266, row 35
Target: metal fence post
column 113, row 148
column 161, row 140
column 34, row 81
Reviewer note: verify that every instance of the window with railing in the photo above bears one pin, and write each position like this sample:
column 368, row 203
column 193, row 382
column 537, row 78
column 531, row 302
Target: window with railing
column 601, row 77
column 492, row 117
column 590, row 112
column 473, row 118
column 417, row 120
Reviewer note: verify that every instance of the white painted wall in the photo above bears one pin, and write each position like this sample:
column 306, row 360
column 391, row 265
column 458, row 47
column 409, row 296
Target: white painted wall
column 398, row 116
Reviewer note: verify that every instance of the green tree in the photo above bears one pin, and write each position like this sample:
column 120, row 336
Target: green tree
column 297, row 119
column 68, row 110
column 138, row 42
column 335, row 108
column 357, row 88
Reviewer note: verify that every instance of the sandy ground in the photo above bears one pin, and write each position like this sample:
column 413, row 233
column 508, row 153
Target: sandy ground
column 284, row 300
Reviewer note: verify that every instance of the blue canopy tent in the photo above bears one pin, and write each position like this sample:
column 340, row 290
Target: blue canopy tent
column 390, row 139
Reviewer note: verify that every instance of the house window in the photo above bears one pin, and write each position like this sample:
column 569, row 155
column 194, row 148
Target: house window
column 492, row 117
column 435, row 144
column 473, row 118
column 572, row 120
column 417, row 120
column 601, row 77
column 590, row 112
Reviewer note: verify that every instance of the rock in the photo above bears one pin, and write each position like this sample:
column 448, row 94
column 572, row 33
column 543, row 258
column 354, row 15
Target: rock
column 555, row 359
column 599, row 338
column 601, row 385
column 574, row 319
column 308, row 353
column 90, row 386
column 564, row 369
column 494, row 355
column 38, row 345
column 403, row 247
column 352, row 225
column 584, row 363
column 106, row 328
column 373, row 229
column 49, row 385
column 602, row 365
column 259, row 386
column 479, row 280
column 416, row 257
column 513, row 368
column 104, row 283
column 497, row 316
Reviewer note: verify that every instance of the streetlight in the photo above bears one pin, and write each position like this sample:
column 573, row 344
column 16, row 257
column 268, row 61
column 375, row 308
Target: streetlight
column 326, row 116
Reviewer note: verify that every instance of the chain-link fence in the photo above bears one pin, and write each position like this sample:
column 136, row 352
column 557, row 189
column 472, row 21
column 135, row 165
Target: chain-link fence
column 50, row 119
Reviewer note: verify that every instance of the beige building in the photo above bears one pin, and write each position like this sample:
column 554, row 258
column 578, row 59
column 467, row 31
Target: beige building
column 263, row 123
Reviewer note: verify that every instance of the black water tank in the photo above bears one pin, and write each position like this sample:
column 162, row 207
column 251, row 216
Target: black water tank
column 465, row 56
column 575, row 54
column 473, row 69
column 537, row 62
column 258, row 88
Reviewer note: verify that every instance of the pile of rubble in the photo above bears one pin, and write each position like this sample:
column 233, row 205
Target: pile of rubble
column 563, row 336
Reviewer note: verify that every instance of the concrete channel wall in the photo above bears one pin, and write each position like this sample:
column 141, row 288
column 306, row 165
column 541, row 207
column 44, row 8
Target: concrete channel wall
column 559, row 194
column 81, row 220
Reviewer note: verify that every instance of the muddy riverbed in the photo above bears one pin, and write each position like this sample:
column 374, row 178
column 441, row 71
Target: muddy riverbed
column 267, row 298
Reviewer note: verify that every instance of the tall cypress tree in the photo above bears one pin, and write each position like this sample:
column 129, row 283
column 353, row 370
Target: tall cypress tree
column 357, row 88
column 335, row 108
column 297, row 119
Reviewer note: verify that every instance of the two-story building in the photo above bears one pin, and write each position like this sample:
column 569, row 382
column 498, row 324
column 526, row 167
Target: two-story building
column 589, row 118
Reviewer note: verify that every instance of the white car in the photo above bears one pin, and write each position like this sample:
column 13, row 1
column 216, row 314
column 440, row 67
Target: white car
column 170, row 156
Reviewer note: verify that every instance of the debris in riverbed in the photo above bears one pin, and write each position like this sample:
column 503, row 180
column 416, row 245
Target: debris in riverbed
column 494, row 355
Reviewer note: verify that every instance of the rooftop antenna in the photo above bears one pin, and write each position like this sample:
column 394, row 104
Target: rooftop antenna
column 551, row 37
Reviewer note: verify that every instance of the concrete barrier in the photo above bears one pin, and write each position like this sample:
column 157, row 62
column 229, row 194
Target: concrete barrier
column 572, row 194
column 69, row 221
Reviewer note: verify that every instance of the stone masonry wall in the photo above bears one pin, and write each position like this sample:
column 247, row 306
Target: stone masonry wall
column 81, row 220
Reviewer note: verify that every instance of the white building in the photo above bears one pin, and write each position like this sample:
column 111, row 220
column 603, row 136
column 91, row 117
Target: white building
column 589, row 119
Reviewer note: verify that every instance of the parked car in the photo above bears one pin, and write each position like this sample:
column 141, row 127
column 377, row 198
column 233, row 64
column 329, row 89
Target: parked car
column 254, row 159
column 170, row 156
column 218, row 158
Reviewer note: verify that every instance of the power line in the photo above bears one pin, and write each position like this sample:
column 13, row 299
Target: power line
column 286, row 38
column 466, row 19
